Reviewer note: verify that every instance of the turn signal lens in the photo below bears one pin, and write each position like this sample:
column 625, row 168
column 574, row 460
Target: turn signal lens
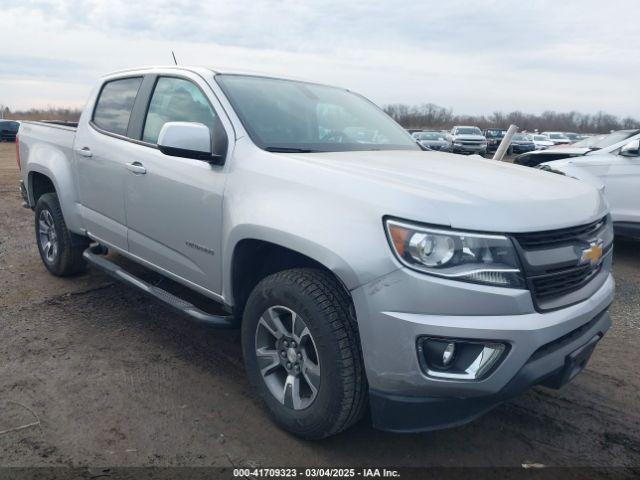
column 398, row 237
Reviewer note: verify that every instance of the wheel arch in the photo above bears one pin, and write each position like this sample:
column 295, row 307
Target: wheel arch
column 48, row 177
column 252, row 259
column 38, row 184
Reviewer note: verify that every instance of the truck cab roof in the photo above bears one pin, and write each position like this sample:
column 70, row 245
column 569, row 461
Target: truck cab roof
column 207, row 70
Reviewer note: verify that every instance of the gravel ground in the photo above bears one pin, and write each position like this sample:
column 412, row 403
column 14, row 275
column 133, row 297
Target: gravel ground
column 110, row 377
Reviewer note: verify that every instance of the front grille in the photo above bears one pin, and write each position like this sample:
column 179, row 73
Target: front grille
column 562, row 282
column 550, row 237
column 553, row 263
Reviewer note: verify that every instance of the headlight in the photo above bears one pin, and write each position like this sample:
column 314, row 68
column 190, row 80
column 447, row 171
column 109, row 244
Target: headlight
column 471, row 257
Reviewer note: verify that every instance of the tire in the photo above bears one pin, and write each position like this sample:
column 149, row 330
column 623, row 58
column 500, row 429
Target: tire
column 63, row 256
column 324, row 307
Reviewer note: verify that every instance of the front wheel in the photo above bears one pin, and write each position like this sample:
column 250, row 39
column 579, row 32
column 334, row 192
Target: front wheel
column 59, row 252
column 302, row 352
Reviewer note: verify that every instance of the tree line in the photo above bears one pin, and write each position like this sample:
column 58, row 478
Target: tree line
column 425, row 116
column 431, row 116
column 49, row 113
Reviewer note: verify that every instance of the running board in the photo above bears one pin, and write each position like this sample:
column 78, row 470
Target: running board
column 92, row 256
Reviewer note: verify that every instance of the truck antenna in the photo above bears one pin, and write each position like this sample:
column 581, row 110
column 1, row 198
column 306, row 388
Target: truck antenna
column 174, row 58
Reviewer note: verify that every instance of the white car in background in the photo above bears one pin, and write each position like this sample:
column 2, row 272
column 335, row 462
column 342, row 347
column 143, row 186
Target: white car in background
column 558, row 138
column 617, row 171
column 541, row 142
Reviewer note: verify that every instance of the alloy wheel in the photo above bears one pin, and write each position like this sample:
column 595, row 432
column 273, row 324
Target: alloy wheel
column 287, row 357
column 47, row 236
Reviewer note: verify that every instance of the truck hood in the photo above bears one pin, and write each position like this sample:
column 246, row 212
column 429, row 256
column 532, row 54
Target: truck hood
column 454, row 190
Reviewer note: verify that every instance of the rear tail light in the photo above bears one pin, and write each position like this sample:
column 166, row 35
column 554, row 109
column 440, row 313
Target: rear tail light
column 18, row 153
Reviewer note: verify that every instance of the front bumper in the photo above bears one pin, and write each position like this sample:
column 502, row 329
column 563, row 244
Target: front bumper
column 551, row 366
column 469, row 148
column 437, row 148
column 523, row 148
column 493, row 146
column 404, row 398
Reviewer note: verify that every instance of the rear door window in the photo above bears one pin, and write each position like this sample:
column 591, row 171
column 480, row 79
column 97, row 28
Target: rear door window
column 115, row 103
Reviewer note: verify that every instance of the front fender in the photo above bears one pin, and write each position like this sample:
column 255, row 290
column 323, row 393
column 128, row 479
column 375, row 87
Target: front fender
column 575, row 171
column 302, row 245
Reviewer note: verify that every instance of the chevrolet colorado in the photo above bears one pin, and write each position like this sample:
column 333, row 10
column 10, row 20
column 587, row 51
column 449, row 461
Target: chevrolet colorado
column 360, row 269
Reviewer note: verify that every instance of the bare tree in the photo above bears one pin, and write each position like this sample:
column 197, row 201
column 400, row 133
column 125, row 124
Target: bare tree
column 431, row 116
column 49, row 113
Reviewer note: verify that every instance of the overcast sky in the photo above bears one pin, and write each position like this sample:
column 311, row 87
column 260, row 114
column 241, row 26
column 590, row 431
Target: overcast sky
column 475, row 57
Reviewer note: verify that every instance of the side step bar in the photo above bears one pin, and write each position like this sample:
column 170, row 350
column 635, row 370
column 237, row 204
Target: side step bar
column 93, row 256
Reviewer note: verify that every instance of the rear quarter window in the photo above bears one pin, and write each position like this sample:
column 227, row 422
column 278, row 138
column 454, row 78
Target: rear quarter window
column 115, row 103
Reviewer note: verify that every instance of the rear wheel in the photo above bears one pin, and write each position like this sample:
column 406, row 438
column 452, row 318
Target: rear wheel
column 302, row 352
column 60, row 250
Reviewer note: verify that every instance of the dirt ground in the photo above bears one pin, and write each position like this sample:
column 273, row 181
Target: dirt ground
column 108, row 376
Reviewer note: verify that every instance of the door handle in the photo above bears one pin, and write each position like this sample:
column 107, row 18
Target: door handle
column 84, row 152
column 137, row 168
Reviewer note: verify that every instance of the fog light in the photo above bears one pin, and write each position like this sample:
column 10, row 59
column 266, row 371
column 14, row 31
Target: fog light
column 447, row 355
column 459, row 359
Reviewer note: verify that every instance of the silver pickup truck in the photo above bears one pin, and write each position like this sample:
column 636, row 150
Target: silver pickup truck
column 361, row 270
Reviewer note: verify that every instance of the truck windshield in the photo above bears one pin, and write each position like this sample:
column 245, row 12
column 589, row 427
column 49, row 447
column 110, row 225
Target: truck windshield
column 291, row 116
column 431, row 136
column 468, row 131
column 496, row 133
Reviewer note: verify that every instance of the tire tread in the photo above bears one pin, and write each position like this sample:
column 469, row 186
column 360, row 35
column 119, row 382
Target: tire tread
column 336, row 305
column 71, row 261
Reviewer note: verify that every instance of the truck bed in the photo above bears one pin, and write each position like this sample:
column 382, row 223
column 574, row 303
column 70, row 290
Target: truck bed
column 62, row 123
column 58, row 136
column 49, row 147
column 53, row 124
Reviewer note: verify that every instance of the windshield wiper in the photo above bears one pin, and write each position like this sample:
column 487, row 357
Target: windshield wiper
column 289, row 150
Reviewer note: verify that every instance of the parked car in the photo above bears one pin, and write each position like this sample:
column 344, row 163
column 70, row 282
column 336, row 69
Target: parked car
column 464, row 139
column 574, row 137
column 558, row 138
column 618, row 172
column 423, row 287
column 521, row 143
column 589, row 146
column 589, row 140
column 8, row 130
column 433, row 140
column 541, row 142
column 494, row 136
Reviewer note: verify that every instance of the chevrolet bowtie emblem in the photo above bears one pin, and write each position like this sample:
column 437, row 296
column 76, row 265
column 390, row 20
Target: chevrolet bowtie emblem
column 593, row 254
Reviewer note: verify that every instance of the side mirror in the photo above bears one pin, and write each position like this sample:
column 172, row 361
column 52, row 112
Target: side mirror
column 631, row 149
column 187, row 140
